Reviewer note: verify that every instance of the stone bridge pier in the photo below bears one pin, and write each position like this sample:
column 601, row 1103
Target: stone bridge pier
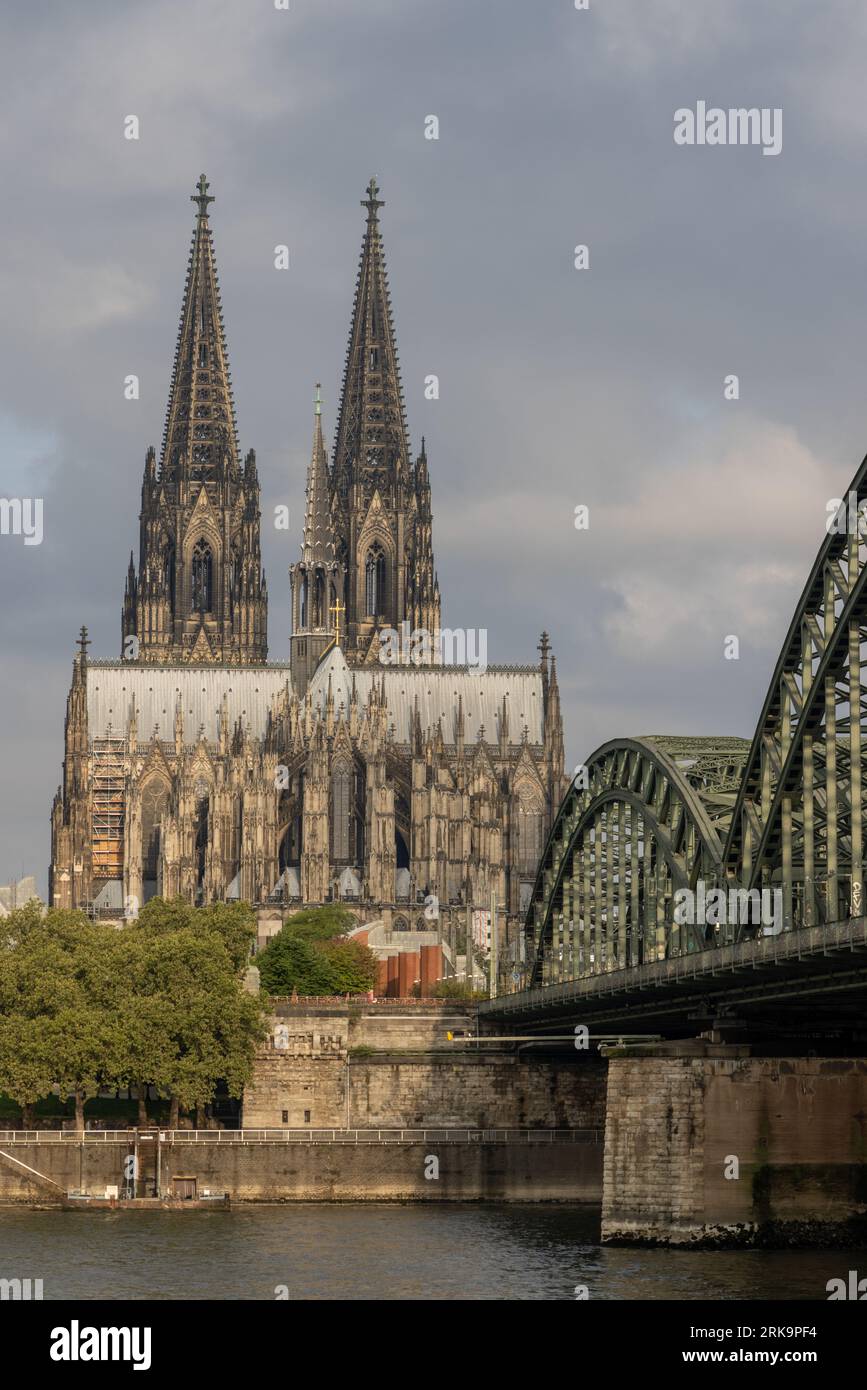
column 708, row 1144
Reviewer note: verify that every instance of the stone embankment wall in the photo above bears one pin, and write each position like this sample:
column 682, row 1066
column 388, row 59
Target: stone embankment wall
column 429, row 1169
column 379, row 1067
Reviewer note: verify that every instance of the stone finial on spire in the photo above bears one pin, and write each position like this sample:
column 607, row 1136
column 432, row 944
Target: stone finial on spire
column 201, row 196
column 543, row 648
column 371, row 202
column 317, row 399
column 83, row 644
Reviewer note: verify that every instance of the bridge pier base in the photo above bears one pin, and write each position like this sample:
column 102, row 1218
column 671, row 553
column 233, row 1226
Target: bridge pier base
column 708, row 1145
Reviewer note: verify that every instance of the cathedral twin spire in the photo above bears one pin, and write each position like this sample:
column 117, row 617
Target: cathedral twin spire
column 200, row 429
column 366, row 557
column 371, row 445
column 200, row 594
column 380, row 501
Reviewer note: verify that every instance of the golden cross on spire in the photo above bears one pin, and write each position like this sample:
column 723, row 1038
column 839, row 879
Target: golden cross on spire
column 336, row 609
column 202, row 197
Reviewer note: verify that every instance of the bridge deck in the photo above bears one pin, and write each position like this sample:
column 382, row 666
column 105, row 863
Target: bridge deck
column 813, row 977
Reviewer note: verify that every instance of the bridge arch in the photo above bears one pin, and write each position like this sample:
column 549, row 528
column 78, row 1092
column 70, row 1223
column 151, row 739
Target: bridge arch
column 642, row 819
column 782, row 813
column 797, row 825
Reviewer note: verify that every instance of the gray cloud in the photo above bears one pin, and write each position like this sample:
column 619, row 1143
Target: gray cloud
column 557, row 387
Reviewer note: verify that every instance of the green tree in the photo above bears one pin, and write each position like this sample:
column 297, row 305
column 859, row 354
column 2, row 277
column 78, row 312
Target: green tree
column 291, row 963
column 27, row 1071
column 312, row 955
column 187, row 987
column 85, row 1005
column 235, row 923
column 352, row 965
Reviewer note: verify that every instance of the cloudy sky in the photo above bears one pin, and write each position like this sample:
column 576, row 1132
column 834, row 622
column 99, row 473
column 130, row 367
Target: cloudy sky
column 558, row 387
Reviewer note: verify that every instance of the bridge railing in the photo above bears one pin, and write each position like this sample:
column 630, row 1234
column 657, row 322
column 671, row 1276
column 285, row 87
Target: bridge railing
column 223, row 1137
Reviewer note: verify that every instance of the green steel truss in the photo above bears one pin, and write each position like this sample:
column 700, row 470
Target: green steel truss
column 782, row 813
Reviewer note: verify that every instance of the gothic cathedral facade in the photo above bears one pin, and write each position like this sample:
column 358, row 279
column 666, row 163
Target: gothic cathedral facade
column 417, row 791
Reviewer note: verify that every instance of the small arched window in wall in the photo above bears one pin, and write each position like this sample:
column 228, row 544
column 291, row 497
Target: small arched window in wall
column 203, row 577
column 374, row 581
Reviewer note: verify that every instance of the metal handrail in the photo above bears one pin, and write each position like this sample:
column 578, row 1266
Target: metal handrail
column 430, row 1134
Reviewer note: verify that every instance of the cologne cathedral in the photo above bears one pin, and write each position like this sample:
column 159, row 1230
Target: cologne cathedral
column 195, row 766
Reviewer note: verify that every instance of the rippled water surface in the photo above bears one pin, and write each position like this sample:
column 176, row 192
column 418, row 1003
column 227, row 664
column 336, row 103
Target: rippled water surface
column 383, row 1252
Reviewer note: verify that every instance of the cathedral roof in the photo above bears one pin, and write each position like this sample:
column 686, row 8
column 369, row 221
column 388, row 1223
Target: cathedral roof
column 437, row 690
column 112, row 685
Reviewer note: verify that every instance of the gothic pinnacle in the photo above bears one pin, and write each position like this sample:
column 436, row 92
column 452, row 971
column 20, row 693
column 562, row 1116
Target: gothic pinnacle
column 201, row 196
column 371, row 202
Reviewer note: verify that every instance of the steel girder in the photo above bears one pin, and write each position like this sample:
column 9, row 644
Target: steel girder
column 644, row 818
column 782, row 813
column 797, row 824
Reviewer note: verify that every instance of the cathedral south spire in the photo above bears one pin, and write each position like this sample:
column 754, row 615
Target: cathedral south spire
column 371, row 447
column 200, row 594
column 380, row 499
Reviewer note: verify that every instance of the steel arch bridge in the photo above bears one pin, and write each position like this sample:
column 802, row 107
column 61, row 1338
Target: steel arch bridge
column 667, row 846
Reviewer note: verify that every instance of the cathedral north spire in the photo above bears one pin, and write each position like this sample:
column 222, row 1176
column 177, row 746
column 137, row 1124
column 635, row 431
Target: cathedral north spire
column 200, row 593
column 200, row 437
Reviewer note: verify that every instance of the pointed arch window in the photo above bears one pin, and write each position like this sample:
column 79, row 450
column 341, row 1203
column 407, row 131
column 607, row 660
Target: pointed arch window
column 202, row 793
column 318, row 600
column 154, row 802
column 374, row 581
column 203, row 577
column 169, row 575
column 341, row 812
column 529, row 834
column 234, row 574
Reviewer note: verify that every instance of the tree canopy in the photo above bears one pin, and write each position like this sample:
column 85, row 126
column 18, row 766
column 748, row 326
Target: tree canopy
column 313, row 955
column 85, row 1005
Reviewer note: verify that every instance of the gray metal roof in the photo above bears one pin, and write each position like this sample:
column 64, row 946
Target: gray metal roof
column 438, row 690
column 111, row 687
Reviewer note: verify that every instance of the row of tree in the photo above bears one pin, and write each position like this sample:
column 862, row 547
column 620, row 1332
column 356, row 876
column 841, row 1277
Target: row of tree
column 85, row 1005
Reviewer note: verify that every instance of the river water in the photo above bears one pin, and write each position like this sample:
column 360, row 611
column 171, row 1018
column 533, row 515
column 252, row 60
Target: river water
column 368, row 1251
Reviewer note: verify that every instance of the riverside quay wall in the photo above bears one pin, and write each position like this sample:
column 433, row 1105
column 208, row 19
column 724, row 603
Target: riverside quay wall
column 316, row 1166
column 705, row 1144
column 357, row 1101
